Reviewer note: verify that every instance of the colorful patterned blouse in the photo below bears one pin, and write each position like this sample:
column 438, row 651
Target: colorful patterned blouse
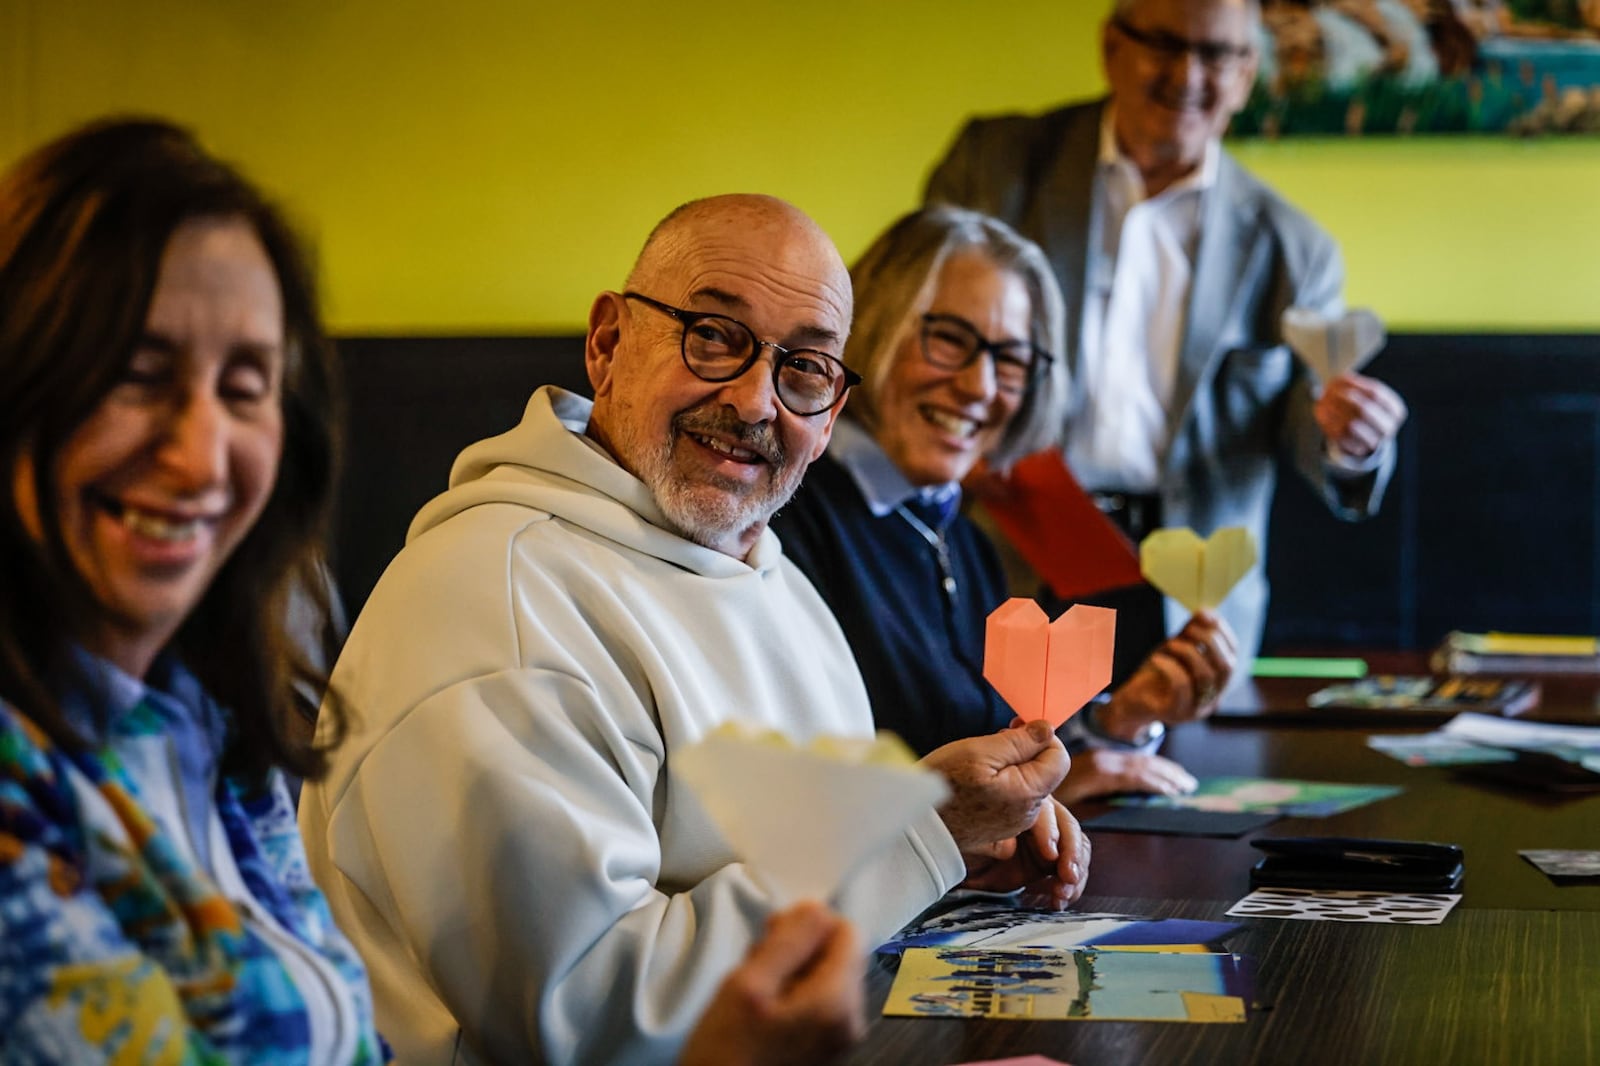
column 144, row 919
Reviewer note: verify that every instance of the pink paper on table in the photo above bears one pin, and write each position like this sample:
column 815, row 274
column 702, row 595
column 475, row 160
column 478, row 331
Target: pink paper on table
column 1048, row 669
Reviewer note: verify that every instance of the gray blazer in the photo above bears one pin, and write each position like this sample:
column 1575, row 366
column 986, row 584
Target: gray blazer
column 1242, row 398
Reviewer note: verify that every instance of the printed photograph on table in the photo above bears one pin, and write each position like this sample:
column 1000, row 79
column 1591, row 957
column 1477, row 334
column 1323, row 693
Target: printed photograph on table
column 1435, row 749
column 1446, row 695
column 1565, row 864
column 1000, row 923
column 1543, row 757
column 1449, row 748
column 1575, row 743
column 1397, row 67
column 1302, row 799
column 1076, row 985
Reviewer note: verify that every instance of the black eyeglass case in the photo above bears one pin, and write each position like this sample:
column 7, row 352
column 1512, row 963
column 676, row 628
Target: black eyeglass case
column 1353, row 864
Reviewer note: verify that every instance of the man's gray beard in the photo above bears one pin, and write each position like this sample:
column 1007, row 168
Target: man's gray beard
column 709, row 512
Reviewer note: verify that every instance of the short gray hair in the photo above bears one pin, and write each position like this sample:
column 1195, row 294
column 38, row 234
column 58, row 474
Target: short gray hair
column 894, row 280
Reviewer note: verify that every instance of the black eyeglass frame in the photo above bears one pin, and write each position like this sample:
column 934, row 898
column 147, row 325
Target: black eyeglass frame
column 1215, row 56
column 687, row 319
column 996, row 350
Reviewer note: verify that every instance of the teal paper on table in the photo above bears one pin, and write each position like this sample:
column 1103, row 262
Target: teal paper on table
column 1303, row 799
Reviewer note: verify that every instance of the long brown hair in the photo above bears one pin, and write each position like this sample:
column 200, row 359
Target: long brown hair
column 84, row 222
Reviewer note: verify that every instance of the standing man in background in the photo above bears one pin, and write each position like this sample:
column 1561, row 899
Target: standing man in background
column 1177, row 266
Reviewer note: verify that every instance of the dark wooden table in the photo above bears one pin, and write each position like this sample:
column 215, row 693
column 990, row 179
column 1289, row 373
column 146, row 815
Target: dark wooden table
column 1511, row 976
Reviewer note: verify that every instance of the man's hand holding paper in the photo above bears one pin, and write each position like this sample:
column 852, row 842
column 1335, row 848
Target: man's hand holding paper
column 1012, row 833
column 1182, row 679
column 1359, row 414
column 1050, row 862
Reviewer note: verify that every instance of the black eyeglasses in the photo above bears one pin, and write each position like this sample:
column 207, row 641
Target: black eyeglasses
column 950, row 342
column 1215, row 56
column 718, row 348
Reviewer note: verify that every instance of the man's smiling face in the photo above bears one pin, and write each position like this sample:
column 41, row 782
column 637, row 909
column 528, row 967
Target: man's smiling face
column 718, row 457
column 1169, row 106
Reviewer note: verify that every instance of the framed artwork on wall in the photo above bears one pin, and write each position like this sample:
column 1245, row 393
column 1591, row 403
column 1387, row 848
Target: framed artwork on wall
column 1386, row 67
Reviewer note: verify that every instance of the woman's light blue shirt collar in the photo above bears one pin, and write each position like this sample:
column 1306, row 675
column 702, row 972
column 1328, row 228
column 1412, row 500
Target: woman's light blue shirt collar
column 880, row 481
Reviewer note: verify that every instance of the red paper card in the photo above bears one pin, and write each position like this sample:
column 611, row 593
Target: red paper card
column 1052, row 522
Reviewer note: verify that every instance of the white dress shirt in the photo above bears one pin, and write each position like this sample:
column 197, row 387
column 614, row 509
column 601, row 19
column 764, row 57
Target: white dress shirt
column 1140, row 266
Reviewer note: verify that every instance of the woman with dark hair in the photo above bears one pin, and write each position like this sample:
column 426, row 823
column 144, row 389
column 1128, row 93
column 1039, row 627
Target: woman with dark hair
column 956, row 320
column 167, row 430
column 167, row 425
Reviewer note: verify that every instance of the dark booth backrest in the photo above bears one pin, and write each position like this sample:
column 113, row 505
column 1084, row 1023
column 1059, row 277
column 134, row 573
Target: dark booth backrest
column 412, row 404
column 1490, row 522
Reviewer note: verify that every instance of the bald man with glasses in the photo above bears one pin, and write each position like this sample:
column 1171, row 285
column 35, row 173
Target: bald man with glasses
column 1177, row 265
column 504, row 834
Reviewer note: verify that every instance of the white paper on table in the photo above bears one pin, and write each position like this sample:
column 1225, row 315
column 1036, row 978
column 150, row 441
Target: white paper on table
column 1513, row 733
column 804, row 818
column 1346, row 906
column 1330, row 346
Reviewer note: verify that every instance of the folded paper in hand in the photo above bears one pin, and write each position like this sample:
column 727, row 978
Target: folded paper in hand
column 1072, row 545
column 804, row 818
column 1331, row 346
column 1048, row 669
column 1197, row 573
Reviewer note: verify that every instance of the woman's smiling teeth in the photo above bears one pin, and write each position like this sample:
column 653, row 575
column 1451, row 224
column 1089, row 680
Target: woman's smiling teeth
column 158, row 527
column 950, row 423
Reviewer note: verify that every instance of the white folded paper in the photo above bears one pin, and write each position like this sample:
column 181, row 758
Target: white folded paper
column 1330, row 346
column 804, row 818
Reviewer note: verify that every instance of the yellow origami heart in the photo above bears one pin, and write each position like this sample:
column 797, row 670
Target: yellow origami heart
column 1197, row 573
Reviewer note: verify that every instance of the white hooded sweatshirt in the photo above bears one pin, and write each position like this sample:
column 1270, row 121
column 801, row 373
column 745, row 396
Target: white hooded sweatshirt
column 502, row 834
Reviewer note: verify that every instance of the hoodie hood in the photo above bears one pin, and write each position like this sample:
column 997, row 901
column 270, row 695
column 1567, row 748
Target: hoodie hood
column 546, row 463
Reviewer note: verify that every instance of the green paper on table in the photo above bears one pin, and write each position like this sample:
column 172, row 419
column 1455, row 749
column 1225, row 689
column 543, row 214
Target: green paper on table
column 1301, row 799
column 1305, row 666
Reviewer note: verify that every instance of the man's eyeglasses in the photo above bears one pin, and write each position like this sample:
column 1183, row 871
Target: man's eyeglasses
column 718, row 348
column 950, row 342
column 1215, row 56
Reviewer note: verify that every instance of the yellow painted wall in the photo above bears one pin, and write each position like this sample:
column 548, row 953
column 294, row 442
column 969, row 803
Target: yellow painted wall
column 486, row 166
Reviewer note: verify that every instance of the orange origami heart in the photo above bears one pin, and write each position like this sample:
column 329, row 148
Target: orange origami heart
column 1048, row 669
